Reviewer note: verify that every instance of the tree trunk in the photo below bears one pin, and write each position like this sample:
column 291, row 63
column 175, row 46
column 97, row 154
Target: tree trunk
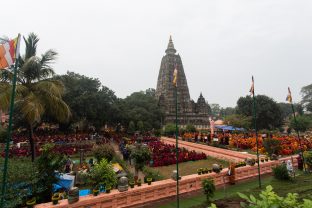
column 32, row 143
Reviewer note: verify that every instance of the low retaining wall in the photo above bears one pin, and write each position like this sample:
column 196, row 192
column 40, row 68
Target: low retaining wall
column 163, row 189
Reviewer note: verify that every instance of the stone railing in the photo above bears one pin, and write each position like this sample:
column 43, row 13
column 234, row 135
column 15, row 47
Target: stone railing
column 163, row 189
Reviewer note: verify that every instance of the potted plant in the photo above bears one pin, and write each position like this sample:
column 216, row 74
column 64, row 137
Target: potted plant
column 262, row 159
column 108, row 189
column 266, row 159
column 55, row 198
column 199, row 171
column 96, row 191
column 31, row 202
column 149, row 181
column 131, row 184
column 139, row 182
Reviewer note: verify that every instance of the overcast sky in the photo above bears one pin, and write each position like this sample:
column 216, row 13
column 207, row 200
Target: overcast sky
column 221, row 43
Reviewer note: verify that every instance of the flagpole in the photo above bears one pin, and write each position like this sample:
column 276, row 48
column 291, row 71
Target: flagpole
column 177, row 148
column 255, row 126
column 9, row 138
column 294, row 114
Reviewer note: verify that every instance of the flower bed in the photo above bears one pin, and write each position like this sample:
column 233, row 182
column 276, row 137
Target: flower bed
column 289, row 144
column 165, row 154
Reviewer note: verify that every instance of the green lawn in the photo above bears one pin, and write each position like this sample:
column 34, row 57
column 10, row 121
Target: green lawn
column 301, row 185
column 188, row 168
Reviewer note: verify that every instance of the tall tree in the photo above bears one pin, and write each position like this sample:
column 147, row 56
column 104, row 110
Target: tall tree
column 215, row 109
column 141, row 107
column 306, row 93
column 82, row 91
column 36, row 93
column 269, row 115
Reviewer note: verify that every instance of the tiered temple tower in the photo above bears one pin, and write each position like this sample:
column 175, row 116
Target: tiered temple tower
column 189, row 112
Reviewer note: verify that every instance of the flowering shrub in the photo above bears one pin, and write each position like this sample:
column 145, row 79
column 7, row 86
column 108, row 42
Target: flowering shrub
column 288, row 144
column 165, row 154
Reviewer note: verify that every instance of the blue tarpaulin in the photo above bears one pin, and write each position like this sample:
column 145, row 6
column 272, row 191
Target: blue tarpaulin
column 229, row 128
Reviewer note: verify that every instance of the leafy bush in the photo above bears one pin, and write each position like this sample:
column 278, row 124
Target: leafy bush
column 3, row 134
column 170, row 129
column 47, row 164
column 103, row 172
column 269, row 198
column 280, row 172
column 104, row 151
column 141, row 155
column 151, row 173
column 271, row 146
column 22, row 176
column 209, row 188
column 190, row 128
column 308, row 158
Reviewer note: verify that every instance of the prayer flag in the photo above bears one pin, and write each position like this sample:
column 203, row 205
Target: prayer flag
column 289, row 97
column 252, row 88
column 9, row 51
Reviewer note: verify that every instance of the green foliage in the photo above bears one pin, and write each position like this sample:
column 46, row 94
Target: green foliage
column 152, row 173
column 104, row 151
column 308, row 158
column 141, row 107
column 208, row 188
column 190, row 128
column 287, row 109
column 3, row 134
column 22, row 174
column 82, row 91
column 170, row 129
column 239, row 121
column 227, row 111
column 269, row 199
column 215, row 109
column 272, row 146
column 306, row 93
column 281, row 173
column 47, row 163
column 103, row 172
column 131, row 127
column 303, row 123
column 269, row 114
column 141, row 156
column 140, row 126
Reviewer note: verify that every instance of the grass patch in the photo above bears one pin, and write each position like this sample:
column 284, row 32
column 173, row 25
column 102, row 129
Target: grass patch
column 188, row 168
column 301, row 185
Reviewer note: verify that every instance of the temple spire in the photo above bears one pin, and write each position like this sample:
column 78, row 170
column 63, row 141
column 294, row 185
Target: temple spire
column 170, row 49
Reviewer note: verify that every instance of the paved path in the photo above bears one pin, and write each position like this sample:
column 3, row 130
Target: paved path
column 216, row 152
column 130, row 167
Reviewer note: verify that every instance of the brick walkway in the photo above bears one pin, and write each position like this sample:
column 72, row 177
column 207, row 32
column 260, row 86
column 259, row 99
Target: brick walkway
column 216, row 152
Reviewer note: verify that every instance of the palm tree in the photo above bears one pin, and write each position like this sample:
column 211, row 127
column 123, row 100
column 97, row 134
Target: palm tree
column 36, row 93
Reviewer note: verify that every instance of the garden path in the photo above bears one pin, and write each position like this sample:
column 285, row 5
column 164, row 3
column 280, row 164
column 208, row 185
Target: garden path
column 130, row 167
column 216, row 152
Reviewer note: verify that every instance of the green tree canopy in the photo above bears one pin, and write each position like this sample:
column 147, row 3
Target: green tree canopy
column 141, row 107
column 89, row 100
column 303, row 123
column 306, row 93
column 287, row 110
column 239, row 121
column 269, row 115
